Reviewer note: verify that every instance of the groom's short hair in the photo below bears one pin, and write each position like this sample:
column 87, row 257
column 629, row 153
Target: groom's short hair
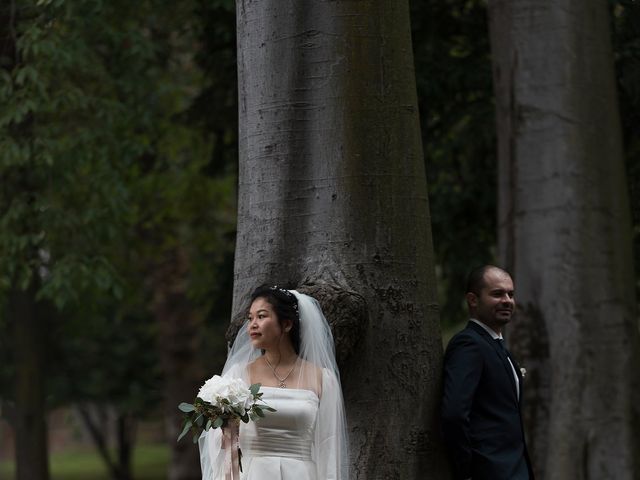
column 475, row 280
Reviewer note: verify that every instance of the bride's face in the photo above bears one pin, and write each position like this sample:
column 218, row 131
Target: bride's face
column 263, row 325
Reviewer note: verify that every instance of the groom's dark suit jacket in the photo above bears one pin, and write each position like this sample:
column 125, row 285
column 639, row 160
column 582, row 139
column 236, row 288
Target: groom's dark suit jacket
column 481, row 420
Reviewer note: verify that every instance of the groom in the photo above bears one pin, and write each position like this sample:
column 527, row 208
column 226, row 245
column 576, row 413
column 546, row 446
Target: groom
column 481, row 419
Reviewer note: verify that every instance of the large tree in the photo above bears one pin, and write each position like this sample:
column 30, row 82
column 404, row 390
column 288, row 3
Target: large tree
column 333, row 200
column 564, row 231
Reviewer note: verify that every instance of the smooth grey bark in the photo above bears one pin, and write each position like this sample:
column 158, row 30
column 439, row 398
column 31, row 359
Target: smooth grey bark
column 333, row 200
column 564, row 231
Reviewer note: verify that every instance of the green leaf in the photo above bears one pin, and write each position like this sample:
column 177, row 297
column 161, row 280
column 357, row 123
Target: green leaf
column 199, row 420
column 259, row 412
column 218, row 422
column 208, row 425
column 255, row 388
column 187, row 427
column 186, row 407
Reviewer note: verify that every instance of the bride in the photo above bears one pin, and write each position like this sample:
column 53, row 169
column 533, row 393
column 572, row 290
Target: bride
column 286, row 346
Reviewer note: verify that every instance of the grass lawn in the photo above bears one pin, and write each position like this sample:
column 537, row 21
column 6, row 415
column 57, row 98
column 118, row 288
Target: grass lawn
column 149, row 463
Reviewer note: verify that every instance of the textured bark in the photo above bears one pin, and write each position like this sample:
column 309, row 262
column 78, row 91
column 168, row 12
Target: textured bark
column 29, row 330
column 333, row 200
column 179, row 336
column 565, row 233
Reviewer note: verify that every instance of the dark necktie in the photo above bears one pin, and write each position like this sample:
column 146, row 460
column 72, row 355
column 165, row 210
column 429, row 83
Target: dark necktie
column 511, row 362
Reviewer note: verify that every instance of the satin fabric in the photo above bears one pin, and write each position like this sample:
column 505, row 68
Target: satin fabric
column 302, row 440
column 278, row 446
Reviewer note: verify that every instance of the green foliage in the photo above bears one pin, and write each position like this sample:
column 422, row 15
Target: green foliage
column 69, row 133
column 105, row 361
column 626, row 44
column 220, row 413
column 109, row 167
column 455, row 92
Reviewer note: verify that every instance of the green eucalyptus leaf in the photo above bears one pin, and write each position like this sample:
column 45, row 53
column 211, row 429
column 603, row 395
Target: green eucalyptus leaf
column 186, row 428
column 199, row 420
column 186, row 407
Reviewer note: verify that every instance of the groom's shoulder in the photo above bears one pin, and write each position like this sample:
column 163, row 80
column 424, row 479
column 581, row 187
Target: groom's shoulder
column 469, row 331
column 465, row 336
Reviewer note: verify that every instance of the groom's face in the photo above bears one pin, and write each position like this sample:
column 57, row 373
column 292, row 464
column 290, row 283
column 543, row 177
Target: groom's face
column 494, row 305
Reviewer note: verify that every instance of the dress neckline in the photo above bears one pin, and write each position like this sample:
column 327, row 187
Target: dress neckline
column 301, row 390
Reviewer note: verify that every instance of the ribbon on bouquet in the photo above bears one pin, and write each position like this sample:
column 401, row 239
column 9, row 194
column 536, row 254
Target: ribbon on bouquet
column 231, row 445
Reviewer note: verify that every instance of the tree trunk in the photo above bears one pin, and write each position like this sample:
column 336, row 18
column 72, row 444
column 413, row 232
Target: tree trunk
column 97, row 420
column 25, row 315
column 126, row 429
column 564, row 231
column 29, row 332
column 333, row 198
column 179, row 336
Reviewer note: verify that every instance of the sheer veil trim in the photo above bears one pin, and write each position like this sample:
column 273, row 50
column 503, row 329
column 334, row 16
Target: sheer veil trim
column 316, row 350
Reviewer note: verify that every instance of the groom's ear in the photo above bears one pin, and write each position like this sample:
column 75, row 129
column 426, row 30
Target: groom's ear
column 472, row 300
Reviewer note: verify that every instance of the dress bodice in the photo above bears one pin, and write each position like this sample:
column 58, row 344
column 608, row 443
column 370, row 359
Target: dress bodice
column 287, row 432
column 301, row 440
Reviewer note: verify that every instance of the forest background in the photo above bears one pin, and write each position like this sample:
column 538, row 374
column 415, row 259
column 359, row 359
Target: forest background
column 118, row 169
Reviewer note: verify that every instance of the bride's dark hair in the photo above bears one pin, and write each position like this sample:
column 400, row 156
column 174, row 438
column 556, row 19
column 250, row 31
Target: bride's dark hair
column 285, row 304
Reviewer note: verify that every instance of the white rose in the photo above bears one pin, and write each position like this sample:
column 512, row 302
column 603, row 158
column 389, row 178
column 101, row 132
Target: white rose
column 234, row 390
column 239, row 395
column 211, row 388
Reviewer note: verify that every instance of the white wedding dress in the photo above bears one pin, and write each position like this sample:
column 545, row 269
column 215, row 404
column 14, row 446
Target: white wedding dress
column 301, row 440
column 278, row 446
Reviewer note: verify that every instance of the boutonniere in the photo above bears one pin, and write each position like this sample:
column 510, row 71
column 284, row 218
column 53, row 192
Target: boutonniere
column 523, row 372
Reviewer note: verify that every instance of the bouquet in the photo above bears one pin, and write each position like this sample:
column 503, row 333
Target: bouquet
column 222, row 401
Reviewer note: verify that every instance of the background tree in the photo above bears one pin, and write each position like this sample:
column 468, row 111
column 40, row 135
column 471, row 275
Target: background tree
column 565, row 233
column 60, row 194
column 186, row 206
column 112, row 233
column 332, row 200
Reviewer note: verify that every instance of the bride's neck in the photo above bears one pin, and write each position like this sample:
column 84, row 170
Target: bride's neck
column 281, row 356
